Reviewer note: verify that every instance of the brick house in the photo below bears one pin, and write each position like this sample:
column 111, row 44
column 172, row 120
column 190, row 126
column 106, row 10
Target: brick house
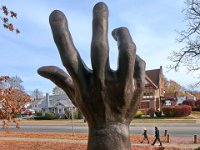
column 154, row 90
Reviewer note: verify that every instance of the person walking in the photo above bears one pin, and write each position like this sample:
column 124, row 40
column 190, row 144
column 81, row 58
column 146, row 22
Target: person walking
column 157, row 137
column 145, row 136
column 5, row 126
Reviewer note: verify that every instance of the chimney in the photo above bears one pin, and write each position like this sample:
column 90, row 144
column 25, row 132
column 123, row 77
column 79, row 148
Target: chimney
column 47, row 99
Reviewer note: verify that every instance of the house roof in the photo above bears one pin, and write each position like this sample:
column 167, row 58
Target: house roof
column 53, row 99
column 150, row 81
column 171, row 96
column 154, row 76
column 64, row 103
column 64, row 99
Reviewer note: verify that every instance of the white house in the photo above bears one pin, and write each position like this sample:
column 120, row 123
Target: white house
column 57, row 104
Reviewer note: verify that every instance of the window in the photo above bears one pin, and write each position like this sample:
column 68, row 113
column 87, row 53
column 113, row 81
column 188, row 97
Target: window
column 147, row 104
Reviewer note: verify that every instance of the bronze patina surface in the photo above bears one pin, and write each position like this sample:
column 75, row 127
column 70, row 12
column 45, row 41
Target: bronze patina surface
column 107, row 98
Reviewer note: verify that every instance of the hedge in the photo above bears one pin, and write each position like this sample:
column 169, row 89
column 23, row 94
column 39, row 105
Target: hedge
column 151, row 112
column 48, row 116
column 189, row 102
column 38, row 113
column 158, row 113
column 197, row 103
column 39, row 118
column 197, row 106
column 177, row 111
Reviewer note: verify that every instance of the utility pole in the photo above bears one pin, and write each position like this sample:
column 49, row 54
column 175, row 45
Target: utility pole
column 72, row 112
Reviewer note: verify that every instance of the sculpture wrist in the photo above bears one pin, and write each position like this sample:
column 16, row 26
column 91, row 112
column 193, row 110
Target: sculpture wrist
column 110, row 136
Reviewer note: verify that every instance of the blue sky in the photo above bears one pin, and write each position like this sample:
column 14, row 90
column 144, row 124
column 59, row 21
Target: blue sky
column 152, row 25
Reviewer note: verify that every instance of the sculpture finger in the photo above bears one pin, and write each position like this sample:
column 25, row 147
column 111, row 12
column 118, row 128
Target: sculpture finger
column 99, row 45
column 139, row 80
column 68, row 53
column 139, row 74
column 127, row 54
column 60, row 78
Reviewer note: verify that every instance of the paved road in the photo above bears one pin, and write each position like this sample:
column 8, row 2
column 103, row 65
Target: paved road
column 174, row 129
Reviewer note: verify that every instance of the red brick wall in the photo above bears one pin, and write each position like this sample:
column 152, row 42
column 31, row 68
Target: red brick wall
column 152, row 104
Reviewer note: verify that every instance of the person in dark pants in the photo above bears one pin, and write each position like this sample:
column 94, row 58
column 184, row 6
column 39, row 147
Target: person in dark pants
column 145, row 136
column 157, row 137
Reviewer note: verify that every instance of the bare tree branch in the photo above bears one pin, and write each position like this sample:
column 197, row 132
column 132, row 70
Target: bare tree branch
column 189, row 55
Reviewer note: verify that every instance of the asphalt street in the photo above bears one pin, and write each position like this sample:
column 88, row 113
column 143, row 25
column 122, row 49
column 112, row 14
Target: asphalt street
column 174, row 129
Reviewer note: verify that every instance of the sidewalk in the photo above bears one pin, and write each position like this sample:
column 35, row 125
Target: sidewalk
column 168, row 145
column 173, row 145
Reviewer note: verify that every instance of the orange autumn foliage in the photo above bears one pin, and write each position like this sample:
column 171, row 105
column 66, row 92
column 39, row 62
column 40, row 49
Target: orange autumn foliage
column 7, row 13
column 12, row 101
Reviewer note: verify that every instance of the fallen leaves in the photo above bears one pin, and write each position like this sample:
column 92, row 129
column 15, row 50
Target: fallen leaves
column 133, row 138
column 29, row 145
column 76, row 145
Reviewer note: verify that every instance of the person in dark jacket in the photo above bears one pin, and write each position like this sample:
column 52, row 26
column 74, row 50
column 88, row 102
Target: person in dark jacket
column 145, row 136
column 157, row 137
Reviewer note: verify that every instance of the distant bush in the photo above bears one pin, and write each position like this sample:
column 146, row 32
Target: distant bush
column 196, row 109
column 197, row 103
column 189, row 102
column 198, row 148
column 177, row 111
column 151, row 112
column 79, row 115
column 38, row 114
column 39, row 118
column 48, row 116
column 138, row 114
column 158, row 113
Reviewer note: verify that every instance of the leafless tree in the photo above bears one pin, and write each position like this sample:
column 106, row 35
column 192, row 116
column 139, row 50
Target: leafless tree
column 15, row 82
column 188, row 55
column 37, row 94
column 57, row 91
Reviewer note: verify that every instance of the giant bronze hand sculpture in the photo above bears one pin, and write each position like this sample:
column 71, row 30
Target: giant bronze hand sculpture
column 108, row 99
